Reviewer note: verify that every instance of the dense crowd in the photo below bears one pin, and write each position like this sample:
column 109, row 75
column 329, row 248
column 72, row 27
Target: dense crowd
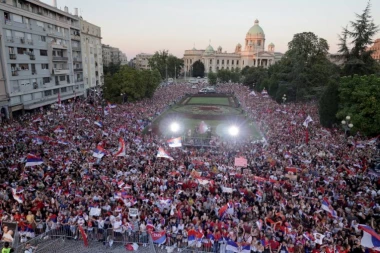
column 304, row 189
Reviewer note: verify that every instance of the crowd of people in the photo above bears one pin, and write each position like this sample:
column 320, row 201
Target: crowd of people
column 304, row 189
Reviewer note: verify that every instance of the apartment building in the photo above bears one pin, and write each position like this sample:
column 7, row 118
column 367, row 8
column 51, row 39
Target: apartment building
column 92, row 66
column 40, row 45
column 113, row 55
column 124, row 59
column 142, row 61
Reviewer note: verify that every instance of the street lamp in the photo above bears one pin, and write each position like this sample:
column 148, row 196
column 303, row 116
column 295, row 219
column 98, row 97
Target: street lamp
column 122, row 95
column 347, row 125
column 284, row 99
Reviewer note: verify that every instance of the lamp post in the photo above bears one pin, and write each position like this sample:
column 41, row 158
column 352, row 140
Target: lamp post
column 122, row 95
column 347, row 125
column 284, row 99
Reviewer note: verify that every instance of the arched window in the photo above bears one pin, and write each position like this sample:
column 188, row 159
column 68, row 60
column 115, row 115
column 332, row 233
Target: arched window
column 222, row 61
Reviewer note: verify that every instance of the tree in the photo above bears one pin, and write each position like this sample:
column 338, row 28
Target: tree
column 111, row 69
column 135, row 84
column 360, row 99
column 166, row 63
column 212, row 78
column 329, row 105
column 198, row 69
column 358, row 59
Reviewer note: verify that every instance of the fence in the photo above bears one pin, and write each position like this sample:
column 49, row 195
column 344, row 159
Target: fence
column 205, row 246
column 54, row 238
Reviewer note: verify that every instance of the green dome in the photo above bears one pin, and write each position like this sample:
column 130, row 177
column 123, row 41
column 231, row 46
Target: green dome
column 256, row 29
column 271, row 45
column 209, row 50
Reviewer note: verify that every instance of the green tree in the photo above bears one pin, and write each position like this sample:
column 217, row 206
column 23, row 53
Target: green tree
column 111, row 69
column 212, row 78
column 198, row 69
column 329, row 104
column 135, row 84
column 358, row 59
column 166, row 63
column 360, row 99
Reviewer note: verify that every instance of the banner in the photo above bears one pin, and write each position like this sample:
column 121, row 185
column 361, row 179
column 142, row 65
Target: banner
column 95, row 211
column 84, row 236
column 158, row 237
column 133, row 212
column 240, row 162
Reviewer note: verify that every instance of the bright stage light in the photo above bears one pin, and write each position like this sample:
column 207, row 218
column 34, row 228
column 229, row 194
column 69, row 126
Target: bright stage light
column 233, row 130
column 174, row 127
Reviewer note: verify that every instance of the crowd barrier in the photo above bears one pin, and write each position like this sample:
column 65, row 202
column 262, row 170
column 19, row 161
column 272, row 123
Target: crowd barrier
column 204, row 246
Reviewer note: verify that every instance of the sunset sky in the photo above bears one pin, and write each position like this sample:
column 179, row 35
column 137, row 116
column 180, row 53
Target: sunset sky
column 145, row 26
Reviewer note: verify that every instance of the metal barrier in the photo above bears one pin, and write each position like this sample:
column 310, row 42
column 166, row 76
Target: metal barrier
column 173, row 244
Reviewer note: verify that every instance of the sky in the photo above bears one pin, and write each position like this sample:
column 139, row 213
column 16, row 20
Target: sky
column 147, row 26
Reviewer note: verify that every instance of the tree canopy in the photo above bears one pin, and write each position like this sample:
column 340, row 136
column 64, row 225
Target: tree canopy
column 226, row 75
column 359, row 34
column 135, row 84
column 166, row 63
column 212, row 78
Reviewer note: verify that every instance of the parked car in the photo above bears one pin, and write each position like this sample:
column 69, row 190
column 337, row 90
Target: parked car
column 194, row 87
column 207, row 90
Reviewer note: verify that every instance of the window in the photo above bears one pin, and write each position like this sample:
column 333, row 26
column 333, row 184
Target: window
column 228, row 61
column 63, row 89
column 44, row 66
column 17, row 18
column 8, row 33
column 237, row 62
column 47, row 93
column 210, row 61
column 45, row 80
column 232, row 62
column 217, row 62
column 259, row 42
column 70, row 88
column 222, row 61
column 6, row 16
column 23, row 66
column 28, row 36
column 43, row 52
column 62, row 78
column 40, row 24
column 42, row 38
column 11, row 50
column 21, row 50
column 55, row 91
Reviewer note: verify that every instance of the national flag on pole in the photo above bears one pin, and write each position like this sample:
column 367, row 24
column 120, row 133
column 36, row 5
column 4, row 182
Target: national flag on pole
column 175, row 142
column 59, row 129
column 240, row 162
column 99, row 152
column 328, row 208
column 33, row 160
column 370, row 238
column 37, row 119
column 222, row 211
column 202, row 127
column 37, row 141
column 307, row 121
column 106, row 111
column 161, row 153
column 63, row 142
column 158, row 237
column 191, row 236
column 98, row 123
column 121, row 149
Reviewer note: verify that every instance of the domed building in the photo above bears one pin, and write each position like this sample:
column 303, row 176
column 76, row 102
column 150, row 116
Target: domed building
column 252, row 54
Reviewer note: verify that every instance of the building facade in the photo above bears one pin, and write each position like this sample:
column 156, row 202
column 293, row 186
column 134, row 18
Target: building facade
column 124, row 59
column 142, row 61
column 112, row 55
column 253, row 53
column 376, row 50
column 92, row 60
column 40, row 45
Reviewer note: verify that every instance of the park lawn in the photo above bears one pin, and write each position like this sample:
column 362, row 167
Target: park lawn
column 208, row 101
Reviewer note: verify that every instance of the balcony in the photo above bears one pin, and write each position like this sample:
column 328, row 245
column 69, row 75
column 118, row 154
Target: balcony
column 12, row 56
column 79, row 80
column 77, row 59
column 32, row 57
column 10, row 39
column 75, row 48
column 14, row 73
column 75, row 37
column 61, row 71
column 78, row 69
column 59, row 58
column 57, row 45
column 8, row 22
column 30, row 42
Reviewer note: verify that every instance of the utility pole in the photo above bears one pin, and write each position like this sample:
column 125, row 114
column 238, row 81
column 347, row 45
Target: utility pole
column 166, row 73
column 175, row 74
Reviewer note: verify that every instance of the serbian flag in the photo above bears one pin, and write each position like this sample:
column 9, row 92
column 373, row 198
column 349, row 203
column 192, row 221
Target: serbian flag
column 203, row 181
column 161, row 153
column 175, row 142
column 17, row 197
column 38, row 141
column 232, row 246
column 33, row 160
column 106, row 111
column 191, row 236
column 308, row 236
column 222, row 211
column 158, row 237
column 37, row 119
column 149, row 226
column 245, row 248
column 121, row 150
column 202, row 128
column 99, row 152
column 98, row 123
column 328, row 208
column 59, row 129
column 63, row 142
column 195, row 174
column 111, row 105
column 370, row 238
column 259, row 224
